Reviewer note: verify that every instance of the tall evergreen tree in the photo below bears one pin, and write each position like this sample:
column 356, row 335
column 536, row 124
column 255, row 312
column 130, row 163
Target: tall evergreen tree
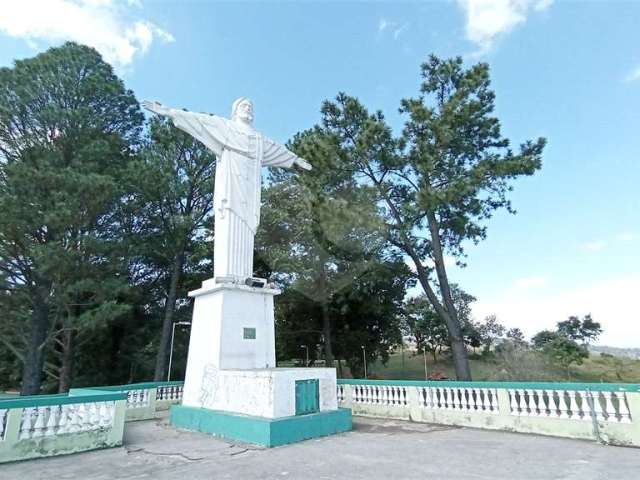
column 66, row 127
column 172, row 202
column 438, row 182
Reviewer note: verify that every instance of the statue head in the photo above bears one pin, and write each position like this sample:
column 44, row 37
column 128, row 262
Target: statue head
column 242, row 110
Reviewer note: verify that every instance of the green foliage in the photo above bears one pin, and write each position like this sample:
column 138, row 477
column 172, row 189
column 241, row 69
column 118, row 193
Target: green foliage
column 442, row 179
column 490, row 331
column 583, row 331
column 562, row 346
column 67, row 125
column 322, row 239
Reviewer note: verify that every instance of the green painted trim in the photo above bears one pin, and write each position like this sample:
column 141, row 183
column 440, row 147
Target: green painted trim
column 595, row 387
column 269, row 432
column 136, row 386
column 84, row 396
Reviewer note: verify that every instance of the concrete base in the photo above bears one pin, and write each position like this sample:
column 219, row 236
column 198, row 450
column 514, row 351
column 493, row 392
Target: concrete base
column 264, row 392
column 268, row 432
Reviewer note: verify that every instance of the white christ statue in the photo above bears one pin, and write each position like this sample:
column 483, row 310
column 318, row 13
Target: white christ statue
column 240, row 152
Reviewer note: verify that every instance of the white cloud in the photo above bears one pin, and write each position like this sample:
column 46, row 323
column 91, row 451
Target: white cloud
column 486, row 20
column 633, row 75
column 611, row 301
column 626, row 236
column 594, row 246
column 396, row 29
column 534, row 281
column 105, row 25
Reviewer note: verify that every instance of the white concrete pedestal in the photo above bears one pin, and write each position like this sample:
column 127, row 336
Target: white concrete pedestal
column 231, row 361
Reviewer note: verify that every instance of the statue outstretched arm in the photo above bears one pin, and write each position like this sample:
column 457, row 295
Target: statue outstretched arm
column 276, row 155
column 211, row 130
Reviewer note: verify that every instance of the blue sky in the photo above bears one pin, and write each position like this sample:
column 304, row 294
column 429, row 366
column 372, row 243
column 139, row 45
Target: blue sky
column 569, row 71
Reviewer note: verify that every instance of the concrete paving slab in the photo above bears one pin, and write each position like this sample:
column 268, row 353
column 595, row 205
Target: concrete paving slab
column 375, row 449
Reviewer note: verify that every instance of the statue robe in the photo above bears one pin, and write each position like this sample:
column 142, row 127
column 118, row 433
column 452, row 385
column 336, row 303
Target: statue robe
column 240, row 153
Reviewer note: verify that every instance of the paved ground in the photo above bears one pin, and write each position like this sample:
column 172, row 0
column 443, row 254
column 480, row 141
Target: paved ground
column 376, row 449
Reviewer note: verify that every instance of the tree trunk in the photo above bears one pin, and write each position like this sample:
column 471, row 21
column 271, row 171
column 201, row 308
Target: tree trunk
column 162, row 358
column 66, row 368
column 326, row 318
column 458, row 347
column 34, row 356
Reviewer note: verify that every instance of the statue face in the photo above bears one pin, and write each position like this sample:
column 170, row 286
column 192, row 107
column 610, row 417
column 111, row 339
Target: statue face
column 244, row 112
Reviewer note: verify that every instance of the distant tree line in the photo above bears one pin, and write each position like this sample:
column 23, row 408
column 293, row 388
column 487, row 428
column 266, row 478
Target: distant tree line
column 106, row 223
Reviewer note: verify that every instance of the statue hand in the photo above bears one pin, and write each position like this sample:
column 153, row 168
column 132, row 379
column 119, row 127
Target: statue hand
column 156, row 107
column 302, row 163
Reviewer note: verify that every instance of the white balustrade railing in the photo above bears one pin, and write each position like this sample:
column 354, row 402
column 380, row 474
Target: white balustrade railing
column 53, row 420
column 570, row 404
column 137, row 398
column 380, row 395
column 170, row 393
column 609, row 413
column 340, row 393
column 459, row 398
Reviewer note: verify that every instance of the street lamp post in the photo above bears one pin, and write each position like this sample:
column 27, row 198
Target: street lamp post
column 364, row 357
column 307, row 350
column 424, row 354
column 173, row 334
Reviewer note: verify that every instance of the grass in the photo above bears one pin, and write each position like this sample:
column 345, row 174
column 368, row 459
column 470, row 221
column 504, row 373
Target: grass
column 525, row 366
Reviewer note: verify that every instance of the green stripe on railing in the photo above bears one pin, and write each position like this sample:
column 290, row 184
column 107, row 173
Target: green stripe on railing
column 85, row 396
column 138, row 386
column 595, row 387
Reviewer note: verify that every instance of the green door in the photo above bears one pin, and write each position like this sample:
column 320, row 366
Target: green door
column 307, row 396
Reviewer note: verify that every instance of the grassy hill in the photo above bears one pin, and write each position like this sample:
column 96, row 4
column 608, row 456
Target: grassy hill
column 522, row 366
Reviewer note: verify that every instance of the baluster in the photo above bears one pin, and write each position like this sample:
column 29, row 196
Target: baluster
column 584, row 406
column 52, row 422
column 474, row 399
column 3, row 415
column 64, row 423
column 74, row 418
column 39, row 426
column 378, row 395
column 26, row 422
column 386, row 395
column 455, row 402
column 609, row 408
column 573, row 405
column 541, row 408
column 623, row 410
column 533, row 404
column 597, row 406
column 444, row 398
column 494, row 401
column 485, row 401
column 553, row 407
column 430, row 397
column 466, row 397
column 522, row 403
column 562, row 401
column 449, row 398
column 513, row 402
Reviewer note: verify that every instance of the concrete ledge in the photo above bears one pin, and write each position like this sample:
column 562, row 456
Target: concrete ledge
column 269, row 432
